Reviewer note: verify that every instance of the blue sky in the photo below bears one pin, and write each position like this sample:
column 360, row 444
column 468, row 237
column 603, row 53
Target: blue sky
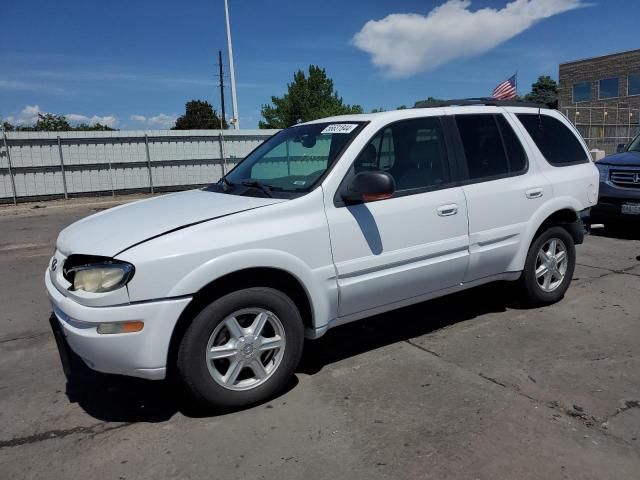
column 135, row 63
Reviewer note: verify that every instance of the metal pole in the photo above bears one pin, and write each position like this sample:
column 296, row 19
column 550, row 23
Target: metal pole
column 146, row 144
column 224, row 159
column 234, row 100
column 13, row 182
column 288, row 160
column 222, row 112
column 64, row 176
column 113, row 191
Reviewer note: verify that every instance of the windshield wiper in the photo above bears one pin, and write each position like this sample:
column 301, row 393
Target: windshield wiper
column 266, row 189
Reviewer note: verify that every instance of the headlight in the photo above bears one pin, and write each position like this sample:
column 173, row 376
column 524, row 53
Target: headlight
column 604, row 171
column 97, row 277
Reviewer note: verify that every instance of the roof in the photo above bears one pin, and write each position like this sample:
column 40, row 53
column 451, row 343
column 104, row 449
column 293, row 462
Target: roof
column 436, row 109
column 600, row 57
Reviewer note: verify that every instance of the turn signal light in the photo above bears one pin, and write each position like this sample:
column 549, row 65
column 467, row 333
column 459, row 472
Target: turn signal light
column 120, row 327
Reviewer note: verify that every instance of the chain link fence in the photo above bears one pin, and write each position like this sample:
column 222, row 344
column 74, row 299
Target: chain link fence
column 47, row 165
column 605, row 128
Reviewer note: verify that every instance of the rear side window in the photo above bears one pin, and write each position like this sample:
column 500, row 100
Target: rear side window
column 513, row 147
column 557, row 143
column 491, row 148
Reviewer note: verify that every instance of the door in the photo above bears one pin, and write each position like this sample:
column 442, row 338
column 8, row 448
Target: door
column 414, row 243
column 503, row 191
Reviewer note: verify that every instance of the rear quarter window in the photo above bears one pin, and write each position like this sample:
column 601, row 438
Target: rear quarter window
column 554, row 139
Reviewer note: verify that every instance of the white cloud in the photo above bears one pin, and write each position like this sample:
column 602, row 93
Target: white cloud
column 160, row 121
column 108, row 120
column 27, row 116
column 404, row 44
column 30, row 86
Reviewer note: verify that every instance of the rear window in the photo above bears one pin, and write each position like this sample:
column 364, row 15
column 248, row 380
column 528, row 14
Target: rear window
column 557, row 143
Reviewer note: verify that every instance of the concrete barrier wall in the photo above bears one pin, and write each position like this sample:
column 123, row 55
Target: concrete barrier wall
column 39, row 165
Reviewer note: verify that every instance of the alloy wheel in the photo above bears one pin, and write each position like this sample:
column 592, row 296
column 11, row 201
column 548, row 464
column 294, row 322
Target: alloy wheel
column 245, row 349
column 551, row 264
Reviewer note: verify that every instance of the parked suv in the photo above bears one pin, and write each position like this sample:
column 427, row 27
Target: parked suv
column 325, row 223
column 619, row 202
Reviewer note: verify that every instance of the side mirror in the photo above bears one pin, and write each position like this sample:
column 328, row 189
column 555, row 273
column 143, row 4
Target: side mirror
column 621, row 148
column 369, row 186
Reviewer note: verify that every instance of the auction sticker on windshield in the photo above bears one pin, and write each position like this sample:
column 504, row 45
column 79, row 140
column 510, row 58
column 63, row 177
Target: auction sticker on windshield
column 340, row 128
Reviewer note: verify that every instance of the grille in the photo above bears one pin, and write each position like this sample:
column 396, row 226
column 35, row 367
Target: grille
column 626, row 178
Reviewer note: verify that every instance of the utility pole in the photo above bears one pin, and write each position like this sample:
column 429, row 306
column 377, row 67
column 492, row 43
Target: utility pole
column 234, row 100
column 223, row 118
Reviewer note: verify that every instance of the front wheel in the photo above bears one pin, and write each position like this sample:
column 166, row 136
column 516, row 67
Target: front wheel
column 242, row 348
column 549, row 267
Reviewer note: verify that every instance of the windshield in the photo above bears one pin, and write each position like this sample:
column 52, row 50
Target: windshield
column 290, row 161
column 635, row 145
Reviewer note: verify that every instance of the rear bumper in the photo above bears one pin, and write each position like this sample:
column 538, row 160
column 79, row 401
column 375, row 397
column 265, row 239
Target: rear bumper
column 141, row 354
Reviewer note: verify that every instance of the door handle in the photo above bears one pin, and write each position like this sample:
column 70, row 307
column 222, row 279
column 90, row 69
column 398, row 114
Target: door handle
column 448, row 210
column 535, row 193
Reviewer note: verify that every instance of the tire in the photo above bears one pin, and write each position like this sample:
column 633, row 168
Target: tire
column 232, row 378
column 538, row 290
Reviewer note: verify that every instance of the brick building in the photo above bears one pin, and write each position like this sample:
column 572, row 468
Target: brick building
column 601, row 96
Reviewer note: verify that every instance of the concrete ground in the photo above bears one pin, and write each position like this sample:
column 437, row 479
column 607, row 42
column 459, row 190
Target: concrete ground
column 471, row 386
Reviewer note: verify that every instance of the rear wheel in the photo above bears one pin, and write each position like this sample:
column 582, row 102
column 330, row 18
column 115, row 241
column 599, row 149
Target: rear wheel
column 242, row 348
column 549, row 267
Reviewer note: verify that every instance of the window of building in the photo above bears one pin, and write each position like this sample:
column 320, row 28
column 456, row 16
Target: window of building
column 608, row 88
column 634, row 84
column 555, row 141
column 581, row 92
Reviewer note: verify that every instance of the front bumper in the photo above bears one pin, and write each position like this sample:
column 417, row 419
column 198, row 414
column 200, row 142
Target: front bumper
column 142, row 354
column 610, row 202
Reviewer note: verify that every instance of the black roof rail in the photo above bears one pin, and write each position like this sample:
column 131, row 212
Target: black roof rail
column 484, row 101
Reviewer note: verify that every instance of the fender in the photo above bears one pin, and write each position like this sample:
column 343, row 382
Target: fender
column 320, row 285
column 545, row 211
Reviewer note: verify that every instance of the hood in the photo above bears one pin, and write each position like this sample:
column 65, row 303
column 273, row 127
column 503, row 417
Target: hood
column 111, row 231
column 626, row 159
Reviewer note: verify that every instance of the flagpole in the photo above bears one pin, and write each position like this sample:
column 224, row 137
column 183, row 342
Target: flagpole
column 234, row 99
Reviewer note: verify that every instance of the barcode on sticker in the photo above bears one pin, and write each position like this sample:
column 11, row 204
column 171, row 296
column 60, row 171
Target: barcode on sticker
column 339, row 128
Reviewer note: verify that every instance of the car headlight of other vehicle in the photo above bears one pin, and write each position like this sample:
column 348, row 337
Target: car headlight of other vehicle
column 100, row 277
column 604, row 172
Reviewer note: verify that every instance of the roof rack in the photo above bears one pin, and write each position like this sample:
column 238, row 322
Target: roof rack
column 485, row 101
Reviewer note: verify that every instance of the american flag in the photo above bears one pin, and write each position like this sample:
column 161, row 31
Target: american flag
column 505, row 90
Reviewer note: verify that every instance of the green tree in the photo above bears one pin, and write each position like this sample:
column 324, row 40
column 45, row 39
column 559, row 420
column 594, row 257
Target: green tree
column 49, row 122
column 199, row 115
column 7, row 127
column 96, row 127
column 307, row 98
column 545, row 91
column 429, row 100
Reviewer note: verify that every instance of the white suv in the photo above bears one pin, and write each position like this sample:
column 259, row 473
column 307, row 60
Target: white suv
column 325, row 223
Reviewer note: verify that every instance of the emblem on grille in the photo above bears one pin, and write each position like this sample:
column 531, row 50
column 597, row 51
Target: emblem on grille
column 636, row 178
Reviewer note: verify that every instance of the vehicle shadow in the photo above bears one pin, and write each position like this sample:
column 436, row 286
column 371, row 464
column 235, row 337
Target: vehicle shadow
column 631, row 233
column 407, row 323
column 114, row 398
